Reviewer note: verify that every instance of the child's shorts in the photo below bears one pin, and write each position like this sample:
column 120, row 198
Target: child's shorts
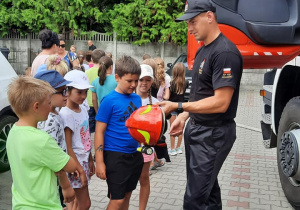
column 123, row 171
column 75, row 182
column 148, row 158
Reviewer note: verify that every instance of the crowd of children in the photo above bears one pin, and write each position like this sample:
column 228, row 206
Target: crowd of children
column 58, row 109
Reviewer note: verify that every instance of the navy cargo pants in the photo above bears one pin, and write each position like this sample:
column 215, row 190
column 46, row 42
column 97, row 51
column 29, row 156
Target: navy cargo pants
column 207, row 147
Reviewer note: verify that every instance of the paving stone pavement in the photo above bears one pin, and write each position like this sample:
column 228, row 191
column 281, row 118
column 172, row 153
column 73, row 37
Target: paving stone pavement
column 248, row 178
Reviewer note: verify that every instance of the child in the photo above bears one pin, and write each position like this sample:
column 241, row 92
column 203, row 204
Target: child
column 34, row 156
column 177, row 89
column 76, row 123
column 143, row 90
column 104, row 83
column 54, row 124
column 164, row 81
column 28, row 71
column 154, row 89
column 56, row 63
column 117, row 159
column 92, row 74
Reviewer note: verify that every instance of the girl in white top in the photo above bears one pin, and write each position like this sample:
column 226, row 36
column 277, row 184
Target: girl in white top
column 143, row 90
column 76, row 123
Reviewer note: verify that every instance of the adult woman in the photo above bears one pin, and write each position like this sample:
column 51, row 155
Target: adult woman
column 50, row 42
column 64, row 54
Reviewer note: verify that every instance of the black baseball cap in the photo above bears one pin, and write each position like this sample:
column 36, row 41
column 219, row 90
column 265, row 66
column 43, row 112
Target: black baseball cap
column 194, row 8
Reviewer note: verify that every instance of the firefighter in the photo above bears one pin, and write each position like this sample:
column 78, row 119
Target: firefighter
column 211, row 130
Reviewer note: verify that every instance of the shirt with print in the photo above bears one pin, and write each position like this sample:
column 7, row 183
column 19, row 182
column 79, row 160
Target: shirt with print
column 54, row 126
column 34, row 156
column 102, row 90
column 92, row 74
column 218, row 64
column 79, row 124
column 114, row 110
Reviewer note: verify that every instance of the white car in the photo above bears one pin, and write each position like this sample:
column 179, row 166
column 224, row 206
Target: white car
column 7, row 116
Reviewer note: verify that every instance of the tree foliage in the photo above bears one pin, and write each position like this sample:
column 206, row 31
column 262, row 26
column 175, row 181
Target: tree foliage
column 143, row 20
column 77, row 16
column 148, row 21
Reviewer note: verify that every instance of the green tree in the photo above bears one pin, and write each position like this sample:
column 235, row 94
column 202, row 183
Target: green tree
column 77, row 16
column 148, row 21
column 143, row 20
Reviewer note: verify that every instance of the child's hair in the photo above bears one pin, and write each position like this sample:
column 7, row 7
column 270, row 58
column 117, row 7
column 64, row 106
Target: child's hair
column 56, row 63
column 23, row 91
column 73, row 46
column 152, row 63
column 109, row 54
column 48, row 38
column 146, row 56
column 28, row 71
column 96, row 55
column 88, row 56
column 104, row 63
column 127, row 65
column 160, row 74
column 81, row 56
column 178, row 78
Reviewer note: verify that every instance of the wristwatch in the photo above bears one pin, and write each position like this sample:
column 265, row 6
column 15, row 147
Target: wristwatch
column 179, row 109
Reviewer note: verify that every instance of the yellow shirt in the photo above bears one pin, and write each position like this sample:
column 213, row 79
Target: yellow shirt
column 92, row 74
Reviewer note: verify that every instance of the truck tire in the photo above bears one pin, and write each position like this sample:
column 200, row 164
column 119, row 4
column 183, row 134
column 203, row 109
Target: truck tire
column 5, row 125
column 288, row 151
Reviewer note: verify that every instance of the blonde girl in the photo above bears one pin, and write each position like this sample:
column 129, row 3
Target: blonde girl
column 177, row 90
column 56, row 63
column 164, row 83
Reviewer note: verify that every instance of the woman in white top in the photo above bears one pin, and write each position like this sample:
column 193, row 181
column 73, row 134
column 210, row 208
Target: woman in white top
column 50, row 43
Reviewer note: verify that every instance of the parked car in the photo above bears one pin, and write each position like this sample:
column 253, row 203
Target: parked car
column 188, row 73
column 7, row 116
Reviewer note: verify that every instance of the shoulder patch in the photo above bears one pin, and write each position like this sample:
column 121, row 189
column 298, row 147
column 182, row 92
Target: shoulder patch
column 227, row 73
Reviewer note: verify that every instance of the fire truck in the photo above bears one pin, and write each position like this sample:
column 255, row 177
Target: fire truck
column 267, row 33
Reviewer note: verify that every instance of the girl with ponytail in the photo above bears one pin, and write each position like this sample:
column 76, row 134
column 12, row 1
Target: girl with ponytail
column 104, row 83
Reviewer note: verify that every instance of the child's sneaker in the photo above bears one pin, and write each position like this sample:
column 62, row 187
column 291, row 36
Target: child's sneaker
column 178, row 150
column 172, row 152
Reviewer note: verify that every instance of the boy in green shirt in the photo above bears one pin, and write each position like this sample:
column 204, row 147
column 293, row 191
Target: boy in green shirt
column 34, row 156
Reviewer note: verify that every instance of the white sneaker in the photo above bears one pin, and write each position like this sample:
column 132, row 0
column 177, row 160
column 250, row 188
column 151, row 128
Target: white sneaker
column 172, row 152
column 178, row 150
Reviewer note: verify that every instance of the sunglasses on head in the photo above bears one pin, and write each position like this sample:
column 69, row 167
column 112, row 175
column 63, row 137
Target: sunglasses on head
column 62, row 45
column 63, row 93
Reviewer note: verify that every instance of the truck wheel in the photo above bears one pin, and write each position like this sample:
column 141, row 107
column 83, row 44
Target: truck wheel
column 288, row 145
column 5, row 125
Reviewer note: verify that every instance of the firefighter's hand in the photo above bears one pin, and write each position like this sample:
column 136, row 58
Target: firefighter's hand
column 168, row 106
column 178, row 124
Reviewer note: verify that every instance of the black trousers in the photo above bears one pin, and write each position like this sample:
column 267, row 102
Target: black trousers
column 206, row 149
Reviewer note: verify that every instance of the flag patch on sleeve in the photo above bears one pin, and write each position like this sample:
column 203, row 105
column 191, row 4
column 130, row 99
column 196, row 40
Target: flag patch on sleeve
column 227, row 73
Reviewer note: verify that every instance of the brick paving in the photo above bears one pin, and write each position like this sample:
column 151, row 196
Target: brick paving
column 248, row 178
